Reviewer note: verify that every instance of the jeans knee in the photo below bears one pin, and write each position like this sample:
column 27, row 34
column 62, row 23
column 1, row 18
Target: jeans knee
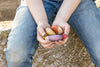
column 15, row 56
column 96, row 56
column 18, row 51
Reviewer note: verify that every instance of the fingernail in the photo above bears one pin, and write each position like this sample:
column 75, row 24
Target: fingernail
column 66, row 33
column 43, row 34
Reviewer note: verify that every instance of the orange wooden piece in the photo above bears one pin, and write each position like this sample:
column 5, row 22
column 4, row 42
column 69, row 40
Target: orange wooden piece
column 57, row 29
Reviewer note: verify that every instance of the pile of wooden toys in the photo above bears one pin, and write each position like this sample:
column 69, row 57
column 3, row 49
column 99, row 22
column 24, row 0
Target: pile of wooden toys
column 54, row 33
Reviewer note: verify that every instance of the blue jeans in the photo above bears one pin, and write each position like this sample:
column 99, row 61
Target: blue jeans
column 22, row 41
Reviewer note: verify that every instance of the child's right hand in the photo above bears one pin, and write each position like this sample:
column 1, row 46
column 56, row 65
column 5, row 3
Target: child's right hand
column 41, row 33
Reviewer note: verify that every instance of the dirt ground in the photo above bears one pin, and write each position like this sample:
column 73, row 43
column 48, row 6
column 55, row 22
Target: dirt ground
column 7, row 9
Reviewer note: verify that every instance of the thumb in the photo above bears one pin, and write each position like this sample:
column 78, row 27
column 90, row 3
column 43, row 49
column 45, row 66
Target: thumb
column 41, row 31
column 67, row 29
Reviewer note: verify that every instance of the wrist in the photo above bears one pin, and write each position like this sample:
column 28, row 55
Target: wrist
column 42, row 22
column 60, row 18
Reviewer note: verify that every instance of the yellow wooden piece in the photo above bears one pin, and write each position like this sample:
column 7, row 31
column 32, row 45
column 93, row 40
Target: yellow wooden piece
column 57, row 29
column 45, row 36
column 49, row 31
column 60, row 31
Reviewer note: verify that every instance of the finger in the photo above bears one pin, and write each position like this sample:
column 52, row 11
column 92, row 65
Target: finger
column 51, row 46
column 41, row 40
column 65, row 40
column 61, row 41
column 67, row 29
column 47, row 45
column 57, row 43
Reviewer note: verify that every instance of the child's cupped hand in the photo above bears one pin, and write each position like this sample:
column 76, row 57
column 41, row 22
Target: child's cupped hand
column 40, row 33
column 65, row 26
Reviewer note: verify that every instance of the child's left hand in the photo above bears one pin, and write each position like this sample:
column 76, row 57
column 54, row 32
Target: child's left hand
column 65, row 26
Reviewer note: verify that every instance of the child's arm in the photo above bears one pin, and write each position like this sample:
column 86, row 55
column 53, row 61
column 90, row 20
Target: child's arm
column 67, row 8
column 64, row 13
column 38, row 12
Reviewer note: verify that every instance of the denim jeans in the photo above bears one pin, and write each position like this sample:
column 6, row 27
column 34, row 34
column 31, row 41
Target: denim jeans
column 22, row 41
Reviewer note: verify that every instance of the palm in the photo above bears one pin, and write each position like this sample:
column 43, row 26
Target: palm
column 66, row 28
